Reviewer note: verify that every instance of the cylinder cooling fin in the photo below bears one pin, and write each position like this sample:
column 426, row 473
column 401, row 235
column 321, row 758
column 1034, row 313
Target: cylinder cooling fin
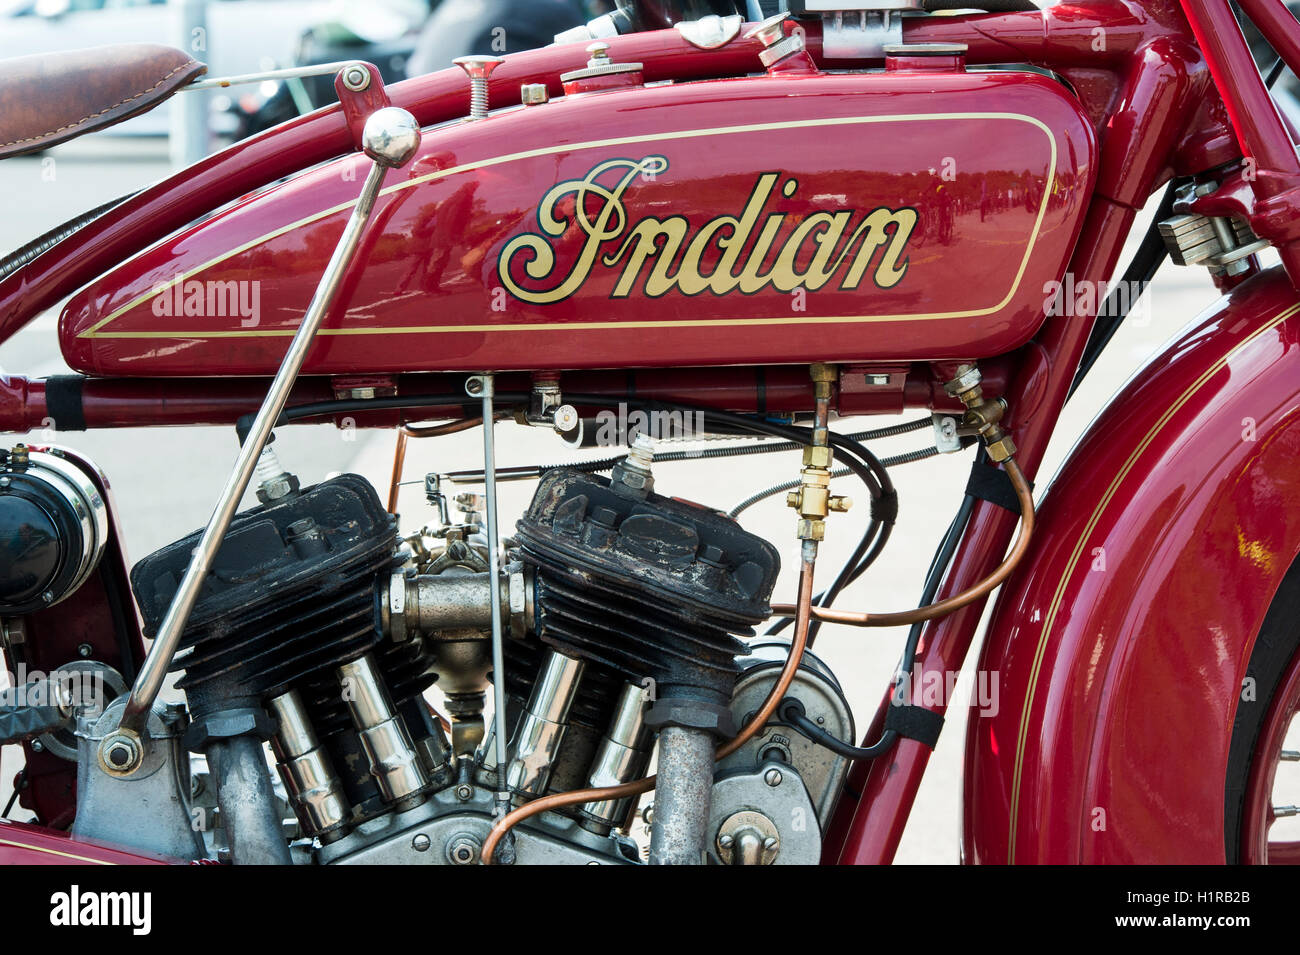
column 291, row 593
column 653, row 588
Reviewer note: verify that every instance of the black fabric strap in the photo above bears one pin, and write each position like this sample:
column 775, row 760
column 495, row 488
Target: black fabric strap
column 63, row 402
column 992, row 484
column 914, row 722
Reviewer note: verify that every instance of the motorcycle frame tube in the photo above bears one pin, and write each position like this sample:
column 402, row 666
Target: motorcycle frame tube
column 1264, row 137
column 27, row 404
column 868, row 830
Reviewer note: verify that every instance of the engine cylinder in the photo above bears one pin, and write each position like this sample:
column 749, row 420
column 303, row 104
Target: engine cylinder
column 650, row 587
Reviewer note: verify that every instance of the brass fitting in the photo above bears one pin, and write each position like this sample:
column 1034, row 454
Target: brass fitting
column 824, row 378
column 813, row 500
column 982, row 415
column 817, row 456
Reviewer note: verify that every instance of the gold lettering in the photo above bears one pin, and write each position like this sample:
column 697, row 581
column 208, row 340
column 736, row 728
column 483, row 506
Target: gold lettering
column 646, row 235
column 889, row 273
column 809, row 258
column 786, row 276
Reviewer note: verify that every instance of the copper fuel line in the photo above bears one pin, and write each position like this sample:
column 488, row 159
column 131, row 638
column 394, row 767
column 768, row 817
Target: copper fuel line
column 956, row 601
column 412, row 431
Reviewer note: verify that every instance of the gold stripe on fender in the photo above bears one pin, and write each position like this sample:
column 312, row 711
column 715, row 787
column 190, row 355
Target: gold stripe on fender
column 96, row 330
column 54, row 852
column 1050, row 619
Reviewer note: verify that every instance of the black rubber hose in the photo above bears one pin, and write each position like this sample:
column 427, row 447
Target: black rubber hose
column 938, row 567
column 909, row 457
column 1150, row 255
column 731, row 451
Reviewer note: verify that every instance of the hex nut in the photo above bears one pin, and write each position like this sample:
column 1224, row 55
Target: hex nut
column 1001, row 449
column 817, row 456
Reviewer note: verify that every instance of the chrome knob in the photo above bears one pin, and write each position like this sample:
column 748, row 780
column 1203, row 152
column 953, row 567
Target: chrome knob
column 478, row 69
column 391, row 136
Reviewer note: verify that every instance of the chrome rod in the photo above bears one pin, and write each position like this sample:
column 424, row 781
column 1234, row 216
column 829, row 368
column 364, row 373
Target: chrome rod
column 290, row 73
column 484, row 387
column 391, row 137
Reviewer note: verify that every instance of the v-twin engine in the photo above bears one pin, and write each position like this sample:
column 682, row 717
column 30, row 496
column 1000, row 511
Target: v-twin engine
column 629, row 640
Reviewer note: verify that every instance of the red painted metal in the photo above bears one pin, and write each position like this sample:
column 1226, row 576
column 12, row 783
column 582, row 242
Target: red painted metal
column 315, row 138
column 1121, row 644
column 1265, row 138
column 23, row 844
column 867, row 830
column 483, row 262
column 781, row 389
column 1063, row 37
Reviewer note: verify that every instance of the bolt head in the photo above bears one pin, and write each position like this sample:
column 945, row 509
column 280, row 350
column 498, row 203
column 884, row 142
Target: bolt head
column 478, row 67
column 533, row 94
column 356, row 78
column 391, row 136
column 463, row 792
column 38, row 746
column 599, row 53
column 463, row 850
column 726, row 841
column 421, row 842
column 998, row 451
column 120, row 754
column 772, row 777
column 84, row 649
column 818, row 456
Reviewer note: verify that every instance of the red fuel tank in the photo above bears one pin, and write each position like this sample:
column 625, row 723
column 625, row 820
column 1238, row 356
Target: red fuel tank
column 819, row 217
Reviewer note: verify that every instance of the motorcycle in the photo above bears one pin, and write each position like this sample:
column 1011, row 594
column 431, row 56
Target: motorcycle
column 676, row 222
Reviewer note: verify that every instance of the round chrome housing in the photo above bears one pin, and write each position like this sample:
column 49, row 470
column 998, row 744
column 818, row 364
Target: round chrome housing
column 53, row 529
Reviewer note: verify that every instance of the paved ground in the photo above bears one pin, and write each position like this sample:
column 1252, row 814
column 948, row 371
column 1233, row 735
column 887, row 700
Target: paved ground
column 167, row 480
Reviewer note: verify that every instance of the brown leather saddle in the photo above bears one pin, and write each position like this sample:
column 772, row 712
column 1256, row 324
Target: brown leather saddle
column 51, row 98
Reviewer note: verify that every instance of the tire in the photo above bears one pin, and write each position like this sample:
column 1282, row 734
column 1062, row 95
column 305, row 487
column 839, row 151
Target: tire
column 1274, row 654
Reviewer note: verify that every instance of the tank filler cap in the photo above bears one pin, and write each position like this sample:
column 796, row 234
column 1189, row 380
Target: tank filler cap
column 781, row 53
column 601, row 73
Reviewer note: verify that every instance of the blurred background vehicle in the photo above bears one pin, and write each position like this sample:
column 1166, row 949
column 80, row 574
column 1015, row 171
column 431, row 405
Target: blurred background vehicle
column 239, row 36
column 382, row 32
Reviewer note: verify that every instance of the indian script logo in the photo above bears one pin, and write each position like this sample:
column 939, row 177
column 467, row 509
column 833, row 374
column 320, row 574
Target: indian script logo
column 657, row 256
